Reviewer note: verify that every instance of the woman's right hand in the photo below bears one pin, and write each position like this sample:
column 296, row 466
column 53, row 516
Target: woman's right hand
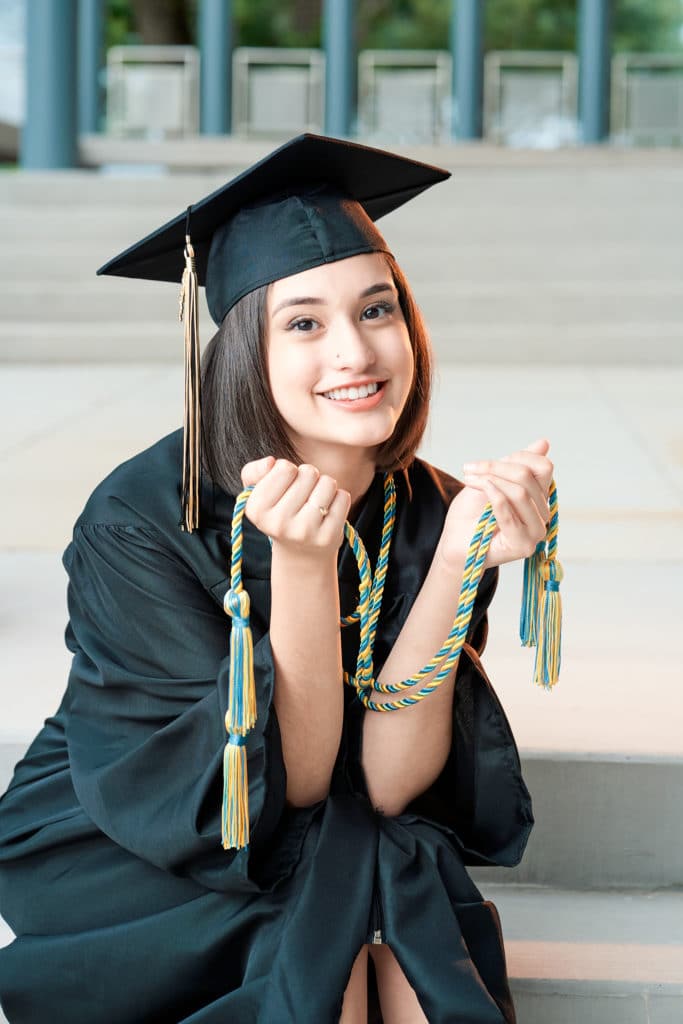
column 285, row 504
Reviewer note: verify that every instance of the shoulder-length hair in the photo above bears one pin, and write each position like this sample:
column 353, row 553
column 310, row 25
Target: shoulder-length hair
column 240, row 421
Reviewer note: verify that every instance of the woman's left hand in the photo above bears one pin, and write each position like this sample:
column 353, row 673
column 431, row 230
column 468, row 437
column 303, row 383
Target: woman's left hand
column 517, row 486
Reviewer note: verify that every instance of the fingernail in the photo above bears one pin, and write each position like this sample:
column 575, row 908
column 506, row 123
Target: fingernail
column 471, row 467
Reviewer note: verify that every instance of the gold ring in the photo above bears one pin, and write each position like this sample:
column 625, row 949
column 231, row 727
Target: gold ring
column 323, row 510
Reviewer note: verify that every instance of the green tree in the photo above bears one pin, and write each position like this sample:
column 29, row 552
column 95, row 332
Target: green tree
column 637, row 25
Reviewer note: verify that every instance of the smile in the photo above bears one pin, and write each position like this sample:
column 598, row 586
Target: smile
column 352, row 394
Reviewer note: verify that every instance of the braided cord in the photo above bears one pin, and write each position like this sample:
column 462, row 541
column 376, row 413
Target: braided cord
column 449, row 652
column 371, row 590
column 236, row 539
column 383, row 556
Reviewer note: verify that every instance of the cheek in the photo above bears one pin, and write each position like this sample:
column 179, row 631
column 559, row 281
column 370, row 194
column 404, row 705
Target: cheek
column 290, row 372
column 404, row 360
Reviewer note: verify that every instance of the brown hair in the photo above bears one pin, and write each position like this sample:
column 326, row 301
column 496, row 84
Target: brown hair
column 240, row 421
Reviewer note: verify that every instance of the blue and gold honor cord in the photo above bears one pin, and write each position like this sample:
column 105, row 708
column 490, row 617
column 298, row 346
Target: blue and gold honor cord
column 540, row 626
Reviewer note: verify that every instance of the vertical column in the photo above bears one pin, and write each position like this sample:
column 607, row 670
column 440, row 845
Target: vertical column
column 467, row 49
column 215, row 43
column 594, row 69
column 340, row 65
column 90, row 50
column 48, row 139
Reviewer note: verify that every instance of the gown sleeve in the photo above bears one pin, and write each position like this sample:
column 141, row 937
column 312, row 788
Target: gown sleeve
column 480, row 796
column 146, row 701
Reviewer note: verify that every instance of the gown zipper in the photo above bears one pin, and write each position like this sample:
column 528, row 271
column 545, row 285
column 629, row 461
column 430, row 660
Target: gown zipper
column 377, row 918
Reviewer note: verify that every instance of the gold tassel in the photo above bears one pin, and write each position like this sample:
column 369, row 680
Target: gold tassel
column 235, row 794
column 549, row 626
column 192, row 426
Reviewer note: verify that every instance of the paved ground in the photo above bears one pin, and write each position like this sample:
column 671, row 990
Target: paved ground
column 617, row 443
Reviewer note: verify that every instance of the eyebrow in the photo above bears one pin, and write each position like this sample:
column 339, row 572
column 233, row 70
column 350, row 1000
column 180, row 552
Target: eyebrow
column 311, row 300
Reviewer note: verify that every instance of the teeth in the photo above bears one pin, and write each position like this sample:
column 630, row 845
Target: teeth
column 351, row 393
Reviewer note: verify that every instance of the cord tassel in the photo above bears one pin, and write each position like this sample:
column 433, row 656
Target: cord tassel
column 239, row 719
column 192, row 427
column 549, row 626
column 531, row 592
column 235, row 818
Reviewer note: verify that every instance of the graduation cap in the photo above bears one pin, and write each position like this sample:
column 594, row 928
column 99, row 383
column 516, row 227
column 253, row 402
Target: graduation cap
column 313, row 200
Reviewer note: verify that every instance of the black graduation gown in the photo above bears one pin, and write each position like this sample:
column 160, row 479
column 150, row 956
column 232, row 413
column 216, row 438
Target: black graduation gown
column 112, row 873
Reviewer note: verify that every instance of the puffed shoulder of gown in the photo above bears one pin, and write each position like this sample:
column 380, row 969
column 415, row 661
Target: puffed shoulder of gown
column 112, row 872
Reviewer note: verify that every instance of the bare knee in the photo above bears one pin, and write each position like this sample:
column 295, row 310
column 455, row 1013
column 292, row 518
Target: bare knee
column 397, row 998
column 355, row 1005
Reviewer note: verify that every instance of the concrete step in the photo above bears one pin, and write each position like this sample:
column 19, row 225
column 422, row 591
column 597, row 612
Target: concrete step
column 601, row 822
column 516, row 345
column 526, row 255
column 592, row 957
column 585, row 304
column 211, row 161
column 584, row 957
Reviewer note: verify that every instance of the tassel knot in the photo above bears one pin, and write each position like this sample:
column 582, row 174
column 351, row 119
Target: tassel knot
column 236, row 604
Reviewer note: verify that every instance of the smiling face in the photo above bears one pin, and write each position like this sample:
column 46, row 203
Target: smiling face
column 338, row 326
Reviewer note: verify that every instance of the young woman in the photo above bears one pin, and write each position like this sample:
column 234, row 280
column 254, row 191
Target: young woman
column 351, row 898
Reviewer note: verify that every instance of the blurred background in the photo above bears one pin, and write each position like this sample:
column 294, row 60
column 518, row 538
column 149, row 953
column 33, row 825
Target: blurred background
column 517, row 72
column 550, row 271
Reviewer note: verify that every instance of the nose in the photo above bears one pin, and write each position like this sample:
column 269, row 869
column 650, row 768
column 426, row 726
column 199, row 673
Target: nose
column 350, row 347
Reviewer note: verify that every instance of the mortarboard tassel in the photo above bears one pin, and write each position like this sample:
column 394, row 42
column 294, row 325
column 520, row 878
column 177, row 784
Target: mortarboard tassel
column 192, row 426
column 241, row 714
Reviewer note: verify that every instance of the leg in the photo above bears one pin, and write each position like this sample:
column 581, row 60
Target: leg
column 396, row 996
column 355, row 1005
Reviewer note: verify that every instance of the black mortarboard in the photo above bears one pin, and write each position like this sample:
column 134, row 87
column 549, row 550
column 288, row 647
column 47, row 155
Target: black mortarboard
column 311, row 201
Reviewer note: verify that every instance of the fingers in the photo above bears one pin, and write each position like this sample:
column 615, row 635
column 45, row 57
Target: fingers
column 535, row 457
column 518, row 482
column 254, row 471
column 516, row 515
column 286, row 501
column 307, row 494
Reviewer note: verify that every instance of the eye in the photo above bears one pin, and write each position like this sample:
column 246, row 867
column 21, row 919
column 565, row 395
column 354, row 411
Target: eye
column 378, row 310
column 305, row 324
